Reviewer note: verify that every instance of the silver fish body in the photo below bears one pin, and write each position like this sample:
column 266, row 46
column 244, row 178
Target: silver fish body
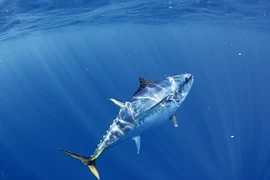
column 154, row 103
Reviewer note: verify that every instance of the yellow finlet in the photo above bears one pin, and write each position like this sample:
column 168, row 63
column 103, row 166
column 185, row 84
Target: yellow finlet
column 96, row 155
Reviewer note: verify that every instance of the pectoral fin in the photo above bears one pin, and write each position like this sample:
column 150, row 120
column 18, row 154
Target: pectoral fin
column 137, row 140
column 117, row 102
column 174, row 120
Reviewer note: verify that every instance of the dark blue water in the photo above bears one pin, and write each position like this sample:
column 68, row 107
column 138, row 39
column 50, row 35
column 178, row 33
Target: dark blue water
column 60, row 61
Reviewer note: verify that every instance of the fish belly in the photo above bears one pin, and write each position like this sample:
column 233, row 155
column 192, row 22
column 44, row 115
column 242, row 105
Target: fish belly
column 155, row 118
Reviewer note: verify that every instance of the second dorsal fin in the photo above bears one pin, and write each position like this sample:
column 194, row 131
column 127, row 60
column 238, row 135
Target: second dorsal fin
column 144, row 82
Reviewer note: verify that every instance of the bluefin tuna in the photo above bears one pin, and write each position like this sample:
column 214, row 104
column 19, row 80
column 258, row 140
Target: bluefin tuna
column 152, row 104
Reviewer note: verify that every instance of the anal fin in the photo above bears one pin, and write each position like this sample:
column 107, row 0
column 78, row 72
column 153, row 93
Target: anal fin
column 174, row 120
column 137, row 140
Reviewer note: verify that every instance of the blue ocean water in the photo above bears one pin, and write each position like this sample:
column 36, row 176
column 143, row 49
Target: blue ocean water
column 60, row 61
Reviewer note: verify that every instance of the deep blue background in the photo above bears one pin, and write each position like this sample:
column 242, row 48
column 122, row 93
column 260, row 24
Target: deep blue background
column 54, row 90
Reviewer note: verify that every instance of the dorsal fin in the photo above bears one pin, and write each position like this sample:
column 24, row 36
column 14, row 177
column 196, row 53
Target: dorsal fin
column 144, row 82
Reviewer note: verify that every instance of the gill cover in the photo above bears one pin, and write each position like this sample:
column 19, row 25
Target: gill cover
column 88, row 161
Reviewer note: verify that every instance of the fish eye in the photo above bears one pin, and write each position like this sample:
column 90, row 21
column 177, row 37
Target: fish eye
column 186, row 80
